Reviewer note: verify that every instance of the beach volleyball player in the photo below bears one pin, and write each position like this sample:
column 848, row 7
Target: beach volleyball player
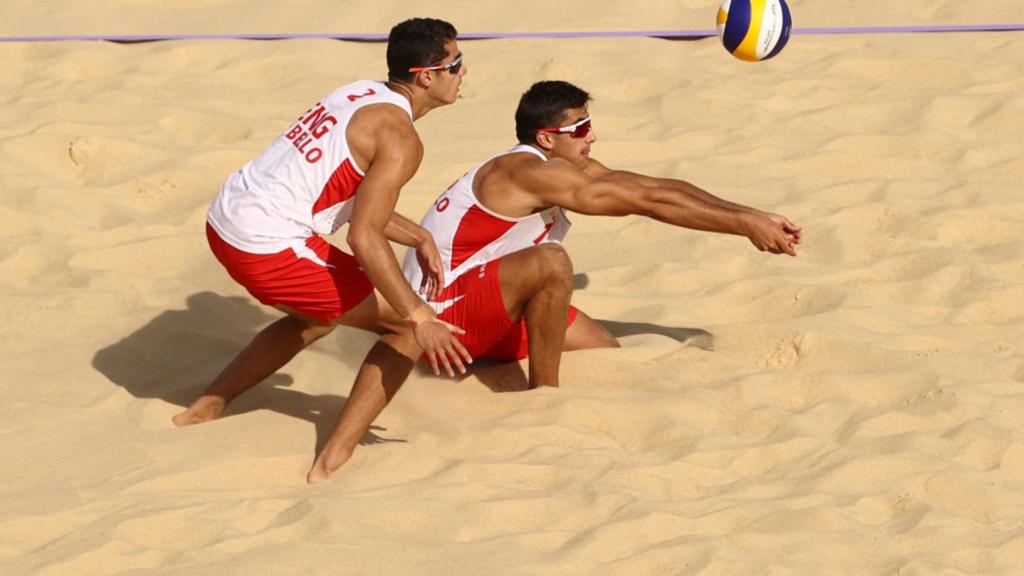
column 344, row 160
column 499, row 228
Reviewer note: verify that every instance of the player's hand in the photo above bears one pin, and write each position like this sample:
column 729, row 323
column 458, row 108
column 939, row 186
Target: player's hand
column 792, row 230
column 773, row 233
column 437, row 340
column 429, row 260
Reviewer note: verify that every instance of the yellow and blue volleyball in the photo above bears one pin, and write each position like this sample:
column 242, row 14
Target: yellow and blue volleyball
column 754, row 30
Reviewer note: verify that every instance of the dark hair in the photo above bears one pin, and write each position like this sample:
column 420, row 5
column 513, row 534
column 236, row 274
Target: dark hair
column 417, row 42
column 544, row 106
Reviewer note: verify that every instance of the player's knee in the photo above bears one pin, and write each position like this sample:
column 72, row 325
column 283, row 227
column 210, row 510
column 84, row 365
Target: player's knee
column 311, row 329
column 556, row 266
column 317, row 331
column 404, row 342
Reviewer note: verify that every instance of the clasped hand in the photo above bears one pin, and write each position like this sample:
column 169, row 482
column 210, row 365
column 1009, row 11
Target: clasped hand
column 774, row 233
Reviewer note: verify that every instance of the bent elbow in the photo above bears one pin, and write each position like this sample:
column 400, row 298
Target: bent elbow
column 358, row 239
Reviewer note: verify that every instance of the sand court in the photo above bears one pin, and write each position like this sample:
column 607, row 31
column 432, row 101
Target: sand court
column 855, row 410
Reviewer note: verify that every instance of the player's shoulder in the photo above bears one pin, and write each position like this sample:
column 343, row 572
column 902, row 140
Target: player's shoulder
column 537, row 178
column 553, row 171
column 375, row 105
column 385, row 125
column 385, row 116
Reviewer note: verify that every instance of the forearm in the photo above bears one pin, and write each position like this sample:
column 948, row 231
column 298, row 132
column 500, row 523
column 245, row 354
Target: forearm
column 682, row 204
column 378, row 261
column 704, row 195
column 684, row 187
column 676, row 207
column 619, row 193
column 403, row 231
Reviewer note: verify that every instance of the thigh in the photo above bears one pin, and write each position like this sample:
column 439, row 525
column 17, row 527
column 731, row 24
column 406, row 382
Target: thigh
column 515, row 345
column 317, row 281
column 529, row 271
column 474, row 303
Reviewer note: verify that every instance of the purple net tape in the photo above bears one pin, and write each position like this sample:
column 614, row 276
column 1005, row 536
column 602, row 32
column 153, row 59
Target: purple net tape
column 487, row 35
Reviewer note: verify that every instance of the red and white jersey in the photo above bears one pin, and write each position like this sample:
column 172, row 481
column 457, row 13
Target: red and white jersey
column 468, row 234
column 302, row 183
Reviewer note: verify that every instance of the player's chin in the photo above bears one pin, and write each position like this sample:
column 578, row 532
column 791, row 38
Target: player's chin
column 458, row 91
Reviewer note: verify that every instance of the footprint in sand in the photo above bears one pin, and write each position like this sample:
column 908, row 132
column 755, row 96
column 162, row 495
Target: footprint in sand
column 785, row 354
column 111, row 160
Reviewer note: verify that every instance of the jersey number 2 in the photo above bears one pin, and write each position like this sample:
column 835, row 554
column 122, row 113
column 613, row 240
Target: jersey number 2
column 354, row 97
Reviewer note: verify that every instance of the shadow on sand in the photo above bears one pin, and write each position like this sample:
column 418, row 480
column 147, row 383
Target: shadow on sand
column 175, row 356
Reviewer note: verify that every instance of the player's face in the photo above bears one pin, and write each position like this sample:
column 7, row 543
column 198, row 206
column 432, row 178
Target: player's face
column 448, row 78
column 573, row 144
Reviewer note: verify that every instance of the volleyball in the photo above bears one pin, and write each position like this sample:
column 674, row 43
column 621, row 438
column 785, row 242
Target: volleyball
column 754, row 30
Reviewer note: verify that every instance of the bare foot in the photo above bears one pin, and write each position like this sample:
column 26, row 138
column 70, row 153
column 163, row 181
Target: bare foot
column 325, row 465
column 204, row 409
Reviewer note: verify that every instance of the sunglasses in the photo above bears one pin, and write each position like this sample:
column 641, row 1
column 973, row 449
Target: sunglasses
column 577, row 130
column 452, row 67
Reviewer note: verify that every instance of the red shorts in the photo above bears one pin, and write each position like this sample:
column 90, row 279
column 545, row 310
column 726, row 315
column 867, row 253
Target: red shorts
column 479, row 310
column 323, row 284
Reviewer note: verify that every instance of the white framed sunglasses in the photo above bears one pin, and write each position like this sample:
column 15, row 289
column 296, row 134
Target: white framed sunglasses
column 578, row 130
column 452, row 67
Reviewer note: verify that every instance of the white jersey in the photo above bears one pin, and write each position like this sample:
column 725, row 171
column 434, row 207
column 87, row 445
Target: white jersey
column 302, row 183
column 468, row 234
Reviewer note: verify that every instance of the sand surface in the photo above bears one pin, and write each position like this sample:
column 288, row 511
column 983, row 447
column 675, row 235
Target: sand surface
column 857, row 410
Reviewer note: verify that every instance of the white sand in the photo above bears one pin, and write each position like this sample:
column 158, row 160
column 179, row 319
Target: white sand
column 861, row 411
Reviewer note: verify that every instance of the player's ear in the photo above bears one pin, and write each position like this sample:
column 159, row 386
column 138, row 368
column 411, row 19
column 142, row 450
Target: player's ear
column 545, row 140
column 423, row 78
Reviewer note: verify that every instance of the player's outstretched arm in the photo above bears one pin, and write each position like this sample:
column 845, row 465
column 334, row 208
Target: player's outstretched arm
column 600, row 191
column 702, row 195
column 596, row 169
